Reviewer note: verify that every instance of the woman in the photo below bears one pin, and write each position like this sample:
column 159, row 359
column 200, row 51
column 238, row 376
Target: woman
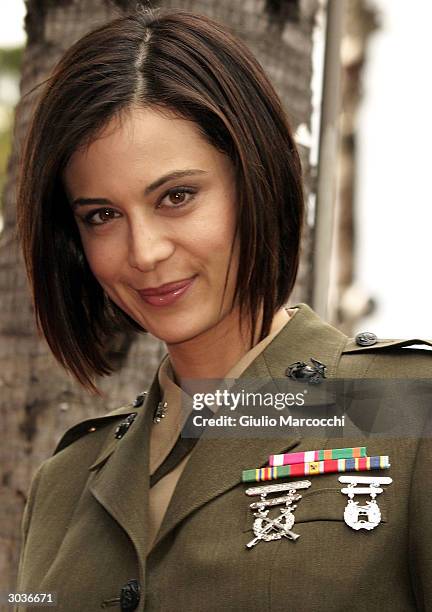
column 162, row 192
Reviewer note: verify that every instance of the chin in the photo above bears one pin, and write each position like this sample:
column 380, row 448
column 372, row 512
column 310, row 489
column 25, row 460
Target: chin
column 172, row 337
column 179, row 330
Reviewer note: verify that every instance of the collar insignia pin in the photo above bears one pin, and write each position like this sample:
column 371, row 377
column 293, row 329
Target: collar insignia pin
column 160, row 412
column 139, row 400
column 124, row 426
column 301, row 371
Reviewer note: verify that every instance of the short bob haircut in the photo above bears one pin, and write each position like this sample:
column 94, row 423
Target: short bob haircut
column 178, row 62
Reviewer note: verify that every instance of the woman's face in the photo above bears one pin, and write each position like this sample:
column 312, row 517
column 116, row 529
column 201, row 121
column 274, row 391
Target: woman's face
column 155, row 207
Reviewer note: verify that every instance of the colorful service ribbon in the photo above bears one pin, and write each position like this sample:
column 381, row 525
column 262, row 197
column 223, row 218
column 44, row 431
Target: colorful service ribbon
column 327, row 466
column 317, row 455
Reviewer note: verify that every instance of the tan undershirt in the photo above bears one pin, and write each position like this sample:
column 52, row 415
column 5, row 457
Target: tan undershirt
column 165, row 433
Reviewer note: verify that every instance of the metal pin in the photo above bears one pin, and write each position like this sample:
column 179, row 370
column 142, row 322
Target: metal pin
column 275, row 501
column 361, row 490
column 286, row 486
column 365, row 480
column 275, row 524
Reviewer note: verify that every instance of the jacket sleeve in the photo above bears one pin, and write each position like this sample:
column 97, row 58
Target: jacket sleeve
column 420, row 525
column 25, row 527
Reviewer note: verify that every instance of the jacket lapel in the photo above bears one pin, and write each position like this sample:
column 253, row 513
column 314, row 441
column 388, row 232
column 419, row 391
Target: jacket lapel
column 216, row 465
column 120, row 480
column 214, row 468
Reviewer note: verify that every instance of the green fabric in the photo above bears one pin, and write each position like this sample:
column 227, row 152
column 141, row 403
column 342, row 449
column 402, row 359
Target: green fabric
column 85, row 523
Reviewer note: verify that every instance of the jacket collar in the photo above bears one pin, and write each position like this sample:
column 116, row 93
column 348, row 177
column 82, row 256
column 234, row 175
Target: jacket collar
column 304, row 336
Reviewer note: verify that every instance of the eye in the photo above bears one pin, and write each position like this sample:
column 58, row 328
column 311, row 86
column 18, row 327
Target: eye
column 101, row 216
column 177, row 197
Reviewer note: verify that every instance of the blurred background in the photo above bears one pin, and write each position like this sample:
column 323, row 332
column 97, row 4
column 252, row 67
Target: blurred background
column 393, row 198
column 353, row 76
column 12, row 40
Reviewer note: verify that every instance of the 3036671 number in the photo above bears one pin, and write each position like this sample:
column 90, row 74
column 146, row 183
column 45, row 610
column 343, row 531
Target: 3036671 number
column 26, row 599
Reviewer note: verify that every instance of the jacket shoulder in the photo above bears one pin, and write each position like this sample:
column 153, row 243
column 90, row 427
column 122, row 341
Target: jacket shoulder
column 356, row 345
column 91, row 426
column 367, row 356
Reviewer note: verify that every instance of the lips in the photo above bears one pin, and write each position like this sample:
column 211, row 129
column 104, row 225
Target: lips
column 167, row 288
column 166, row 294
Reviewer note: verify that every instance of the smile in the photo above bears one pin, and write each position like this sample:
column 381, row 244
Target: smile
column 167, row 294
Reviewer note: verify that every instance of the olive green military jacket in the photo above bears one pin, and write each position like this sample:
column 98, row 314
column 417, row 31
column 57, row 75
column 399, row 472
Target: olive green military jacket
column 84, row 528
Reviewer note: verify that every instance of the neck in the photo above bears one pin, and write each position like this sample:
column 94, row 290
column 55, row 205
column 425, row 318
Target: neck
column 213, row 353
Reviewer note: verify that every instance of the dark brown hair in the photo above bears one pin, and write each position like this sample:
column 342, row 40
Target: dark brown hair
column 180, row 62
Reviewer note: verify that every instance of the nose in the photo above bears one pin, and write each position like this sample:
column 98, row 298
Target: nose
column 148, row 245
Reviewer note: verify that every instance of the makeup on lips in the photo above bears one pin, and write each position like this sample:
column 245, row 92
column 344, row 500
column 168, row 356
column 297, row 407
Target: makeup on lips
column 167, row 294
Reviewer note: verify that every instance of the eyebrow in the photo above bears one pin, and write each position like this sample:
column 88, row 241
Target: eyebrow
column 170, row 176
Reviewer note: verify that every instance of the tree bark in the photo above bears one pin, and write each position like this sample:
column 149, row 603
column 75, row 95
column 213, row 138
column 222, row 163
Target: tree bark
column 38, row 400
column 350, row 303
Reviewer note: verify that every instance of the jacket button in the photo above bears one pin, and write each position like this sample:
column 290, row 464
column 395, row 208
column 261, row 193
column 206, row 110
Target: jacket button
column 366, row 339
column 130, row 596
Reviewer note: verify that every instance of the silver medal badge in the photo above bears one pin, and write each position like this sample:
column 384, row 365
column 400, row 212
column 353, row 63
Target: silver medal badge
column 266, row 528
column 367, row 516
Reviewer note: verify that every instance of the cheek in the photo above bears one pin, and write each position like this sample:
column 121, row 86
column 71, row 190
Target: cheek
column 209, row 246
column 213, row 230
column 104, row 258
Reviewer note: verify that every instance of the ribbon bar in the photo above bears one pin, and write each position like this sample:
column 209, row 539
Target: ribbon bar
column 317, row 455
column 327, row 466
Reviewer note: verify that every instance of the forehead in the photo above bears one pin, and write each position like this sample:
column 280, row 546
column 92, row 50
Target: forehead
column 142, row 144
